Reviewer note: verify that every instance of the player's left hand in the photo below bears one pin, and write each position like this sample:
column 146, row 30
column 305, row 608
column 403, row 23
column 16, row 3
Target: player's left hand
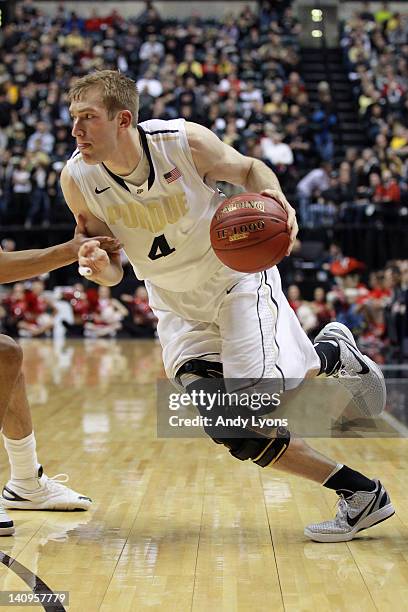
column 92, row 257
column 292, row 225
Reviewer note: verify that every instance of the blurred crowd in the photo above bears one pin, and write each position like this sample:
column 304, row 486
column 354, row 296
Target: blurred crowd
column 238, row 76
column 28, row 310
column 369, row 185
column 373, row 304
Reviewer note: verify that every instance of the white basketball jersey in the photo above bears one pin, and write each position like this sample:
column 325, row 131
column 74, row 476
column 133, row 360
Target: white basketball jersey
column 164, row 223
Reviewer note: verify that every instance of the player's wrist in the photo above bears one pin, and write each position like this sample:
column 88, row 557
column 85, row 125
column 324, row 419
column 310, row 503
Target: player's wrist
column 68, row 251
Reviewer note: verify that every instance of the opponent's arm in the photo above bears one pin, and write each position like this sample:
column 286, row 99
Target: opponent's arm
column 20, row 265
column 217, row 161
column 106, row 267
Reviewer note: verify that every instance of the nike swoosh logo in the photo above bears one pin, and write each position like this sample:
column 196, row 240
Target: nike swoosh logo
column 365, row 512
column 341, row 332
column 98, row 191
column 229, row 290
column 364, row 368
column 12, row 496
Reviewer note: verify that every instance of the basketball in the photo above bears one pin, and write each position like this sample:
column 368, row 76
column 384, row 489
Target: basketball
column 249, row 233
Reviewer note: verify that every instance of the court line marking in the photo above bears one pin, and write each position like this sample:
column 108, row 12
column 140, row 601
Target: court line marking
column 32, row 581
column 395, row 423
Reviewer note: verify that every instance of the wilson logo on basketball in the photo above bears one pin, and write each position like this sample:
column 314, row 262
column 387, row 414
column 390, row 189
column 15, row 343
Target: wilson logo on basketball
column 254, row 204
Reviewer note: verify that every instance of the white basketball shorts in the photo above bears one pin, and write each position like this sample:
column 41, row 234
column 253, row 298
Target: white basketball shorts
column 242, row 320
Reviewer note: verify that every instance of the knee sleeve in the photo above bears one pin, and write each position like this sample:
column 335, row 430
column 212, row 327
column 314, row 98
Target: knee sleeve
column 201, row 368
column 261, row 450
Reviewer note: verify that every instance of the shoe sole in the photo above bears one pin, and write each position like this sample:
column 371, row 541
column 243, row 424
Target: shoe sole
column 369, row 521
column 369, row 362
column 7, row 531
column 15, row 505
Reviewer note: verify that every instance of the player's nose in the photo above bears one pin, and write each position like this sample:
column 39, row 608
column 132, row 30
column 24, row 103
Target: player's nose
column 76, row 130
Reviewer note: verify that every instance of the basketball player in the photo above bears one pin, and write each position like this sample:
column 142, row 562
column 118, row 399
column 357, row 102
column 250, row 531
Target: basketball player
column 153, row 187
column 29, row 488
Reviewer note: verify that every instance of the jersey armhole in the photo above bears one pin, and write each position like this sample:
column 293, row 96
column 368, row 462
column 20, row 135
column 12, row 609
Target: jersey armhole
column 81, row 186
column 187, row 152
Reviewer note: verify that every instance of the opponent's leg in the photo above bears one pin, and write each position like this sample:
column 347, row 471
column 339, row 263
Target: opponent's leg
column 11, row 358
column 29, row 488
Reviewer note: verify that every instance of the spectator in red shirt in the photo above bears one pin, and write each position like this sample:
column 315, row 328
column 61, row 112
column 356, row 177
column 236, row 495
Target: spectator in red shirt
column 39, row 313
column 293, row 87
column 94, row 22
column 143, row 321
column 388, row 190
column 294, row 297
column 79, row 303
column 322, row 309
column 107, row 321
column 377, row 289
column 15, row 306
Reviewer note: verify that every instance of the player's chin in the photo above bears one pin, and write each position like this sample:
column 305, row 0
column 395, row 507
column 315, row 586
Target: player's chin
column 89, row 155
column 90, row 159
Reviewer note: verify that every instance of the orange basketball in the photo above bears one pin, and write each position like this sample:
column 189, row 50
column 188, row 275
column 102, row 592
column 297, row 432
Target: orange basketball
column 249, row 233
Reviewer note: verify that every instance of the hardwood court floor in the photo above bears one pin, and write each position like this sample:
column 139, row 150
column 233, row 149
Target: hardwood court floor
column 179, row 525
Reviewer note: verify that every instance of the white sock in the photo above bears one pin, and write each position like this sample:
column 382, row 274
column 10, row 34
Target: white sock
column 23, row 459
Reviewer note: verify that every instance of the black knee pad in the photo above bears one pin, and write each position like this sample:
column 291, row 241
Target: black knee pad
column 262, row 451
column 200, row 367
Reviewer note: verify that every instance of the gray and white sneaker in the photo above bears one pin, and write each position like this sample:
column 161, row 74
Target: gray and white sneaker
column 361, row 510
column 6, row 523
column 357, row 372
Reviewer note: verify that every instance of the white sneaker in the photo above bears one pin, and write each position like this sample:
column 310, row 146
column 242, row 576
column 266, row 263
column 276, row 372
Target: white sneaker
column 361, row 510
column 6, row 523
column 51, row 494
column 357, row 372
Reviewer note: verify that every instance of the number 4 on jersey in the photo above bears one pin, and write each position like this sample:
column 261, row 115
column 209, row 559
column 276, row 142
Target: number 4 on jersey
column 160, row 248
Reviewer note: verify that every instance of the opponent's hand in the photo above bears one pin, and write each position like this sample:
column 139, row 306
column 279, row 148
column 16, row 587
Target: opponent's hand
column 108, row 243
column 91, row 256
column 292, row 225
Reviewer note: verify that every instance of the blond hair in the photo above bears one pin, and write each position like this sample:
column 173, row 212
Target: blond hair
column 118, row 91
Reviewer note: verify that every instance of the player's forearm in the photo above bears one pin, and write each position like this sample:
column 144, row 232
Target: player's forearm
column 111, row 275
column 260, row 177
column 26, row 264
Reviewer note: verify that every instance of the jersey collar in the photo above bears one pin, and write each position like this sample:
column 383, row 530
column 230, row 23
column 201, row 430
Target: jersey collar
column 146, row 149
column 120, row 181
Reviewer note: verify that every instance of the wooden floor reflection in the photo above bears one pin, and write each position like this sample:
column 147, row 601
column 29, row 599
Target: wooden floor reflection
column 178, row 524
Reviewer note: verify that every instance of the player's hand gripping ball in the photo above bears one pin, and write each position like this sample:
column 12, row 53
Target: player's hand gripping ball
column 249, row 232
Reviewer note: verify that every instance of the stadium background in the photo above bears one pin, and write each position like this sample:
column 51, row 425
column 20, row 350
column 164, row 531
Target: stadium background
column 317, row 91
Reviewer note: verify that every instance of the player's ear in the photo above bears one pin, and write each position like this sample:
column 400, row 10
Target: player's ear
column 125, row 119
